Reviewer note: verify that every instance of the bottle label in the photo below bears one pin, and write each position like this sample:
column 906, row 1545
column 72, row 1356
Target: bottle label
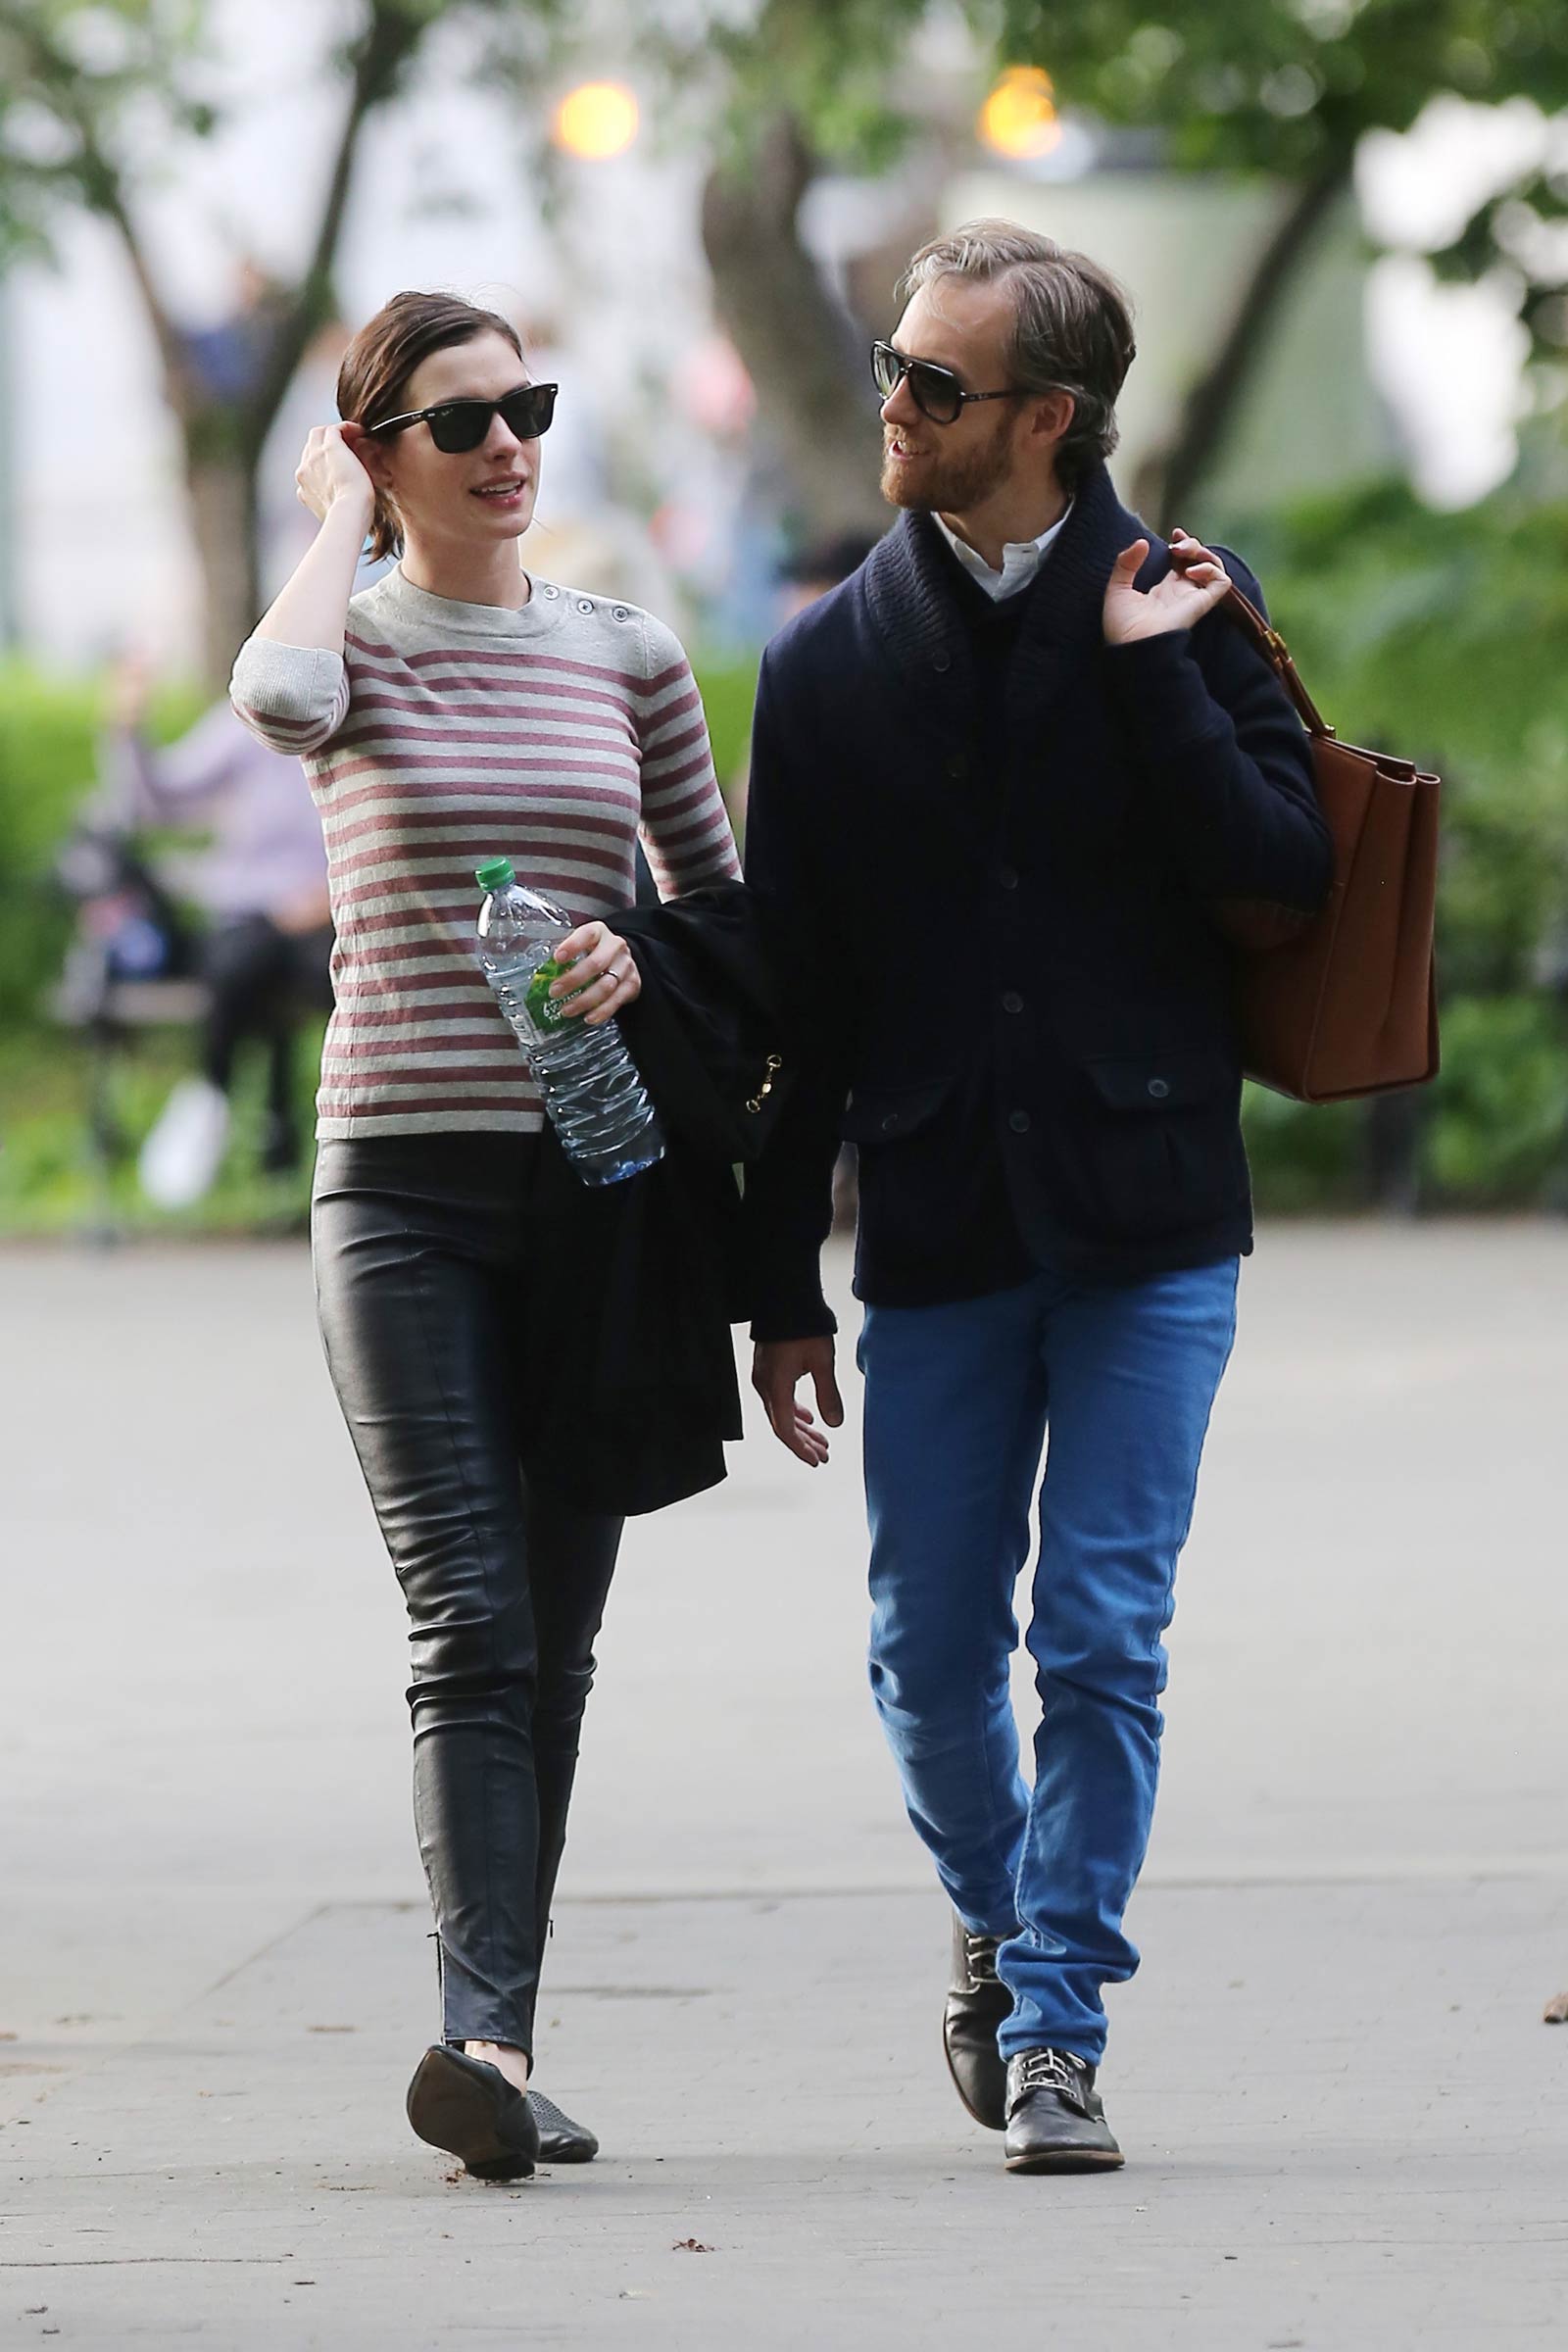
column 545, row 1010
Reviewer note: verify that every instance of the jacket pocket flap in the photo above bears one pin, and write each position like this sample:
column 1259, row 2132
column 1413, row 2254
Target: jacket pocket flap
column 1169, row 1080
column 881, row 1115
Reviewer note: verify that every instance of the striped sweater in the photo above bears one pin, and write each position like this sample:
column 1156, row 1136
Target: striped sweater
column 447, row 733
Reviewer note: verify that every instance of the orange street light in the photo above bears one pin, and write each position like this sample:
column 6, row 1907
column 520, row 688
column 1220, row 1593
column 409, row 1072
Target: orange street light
column 596, row 121
column 1020, row 118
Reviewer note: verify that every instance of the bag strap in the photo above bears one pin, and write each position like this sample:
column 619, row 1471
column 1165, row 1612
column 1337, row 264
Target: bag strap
column 1241, row 610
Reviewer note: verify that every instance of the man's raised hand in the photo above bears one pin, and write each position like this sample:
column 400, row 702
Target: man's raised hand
column 1195, row 584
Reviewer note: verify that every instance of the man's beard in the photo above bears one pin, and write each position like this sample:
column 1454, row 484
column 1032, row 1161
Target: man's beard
column 955, row 487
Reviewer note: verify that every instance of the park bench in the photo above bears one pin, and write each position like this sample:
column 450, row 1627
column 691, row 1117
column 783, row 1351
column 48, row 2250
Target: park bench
column 108, row 1015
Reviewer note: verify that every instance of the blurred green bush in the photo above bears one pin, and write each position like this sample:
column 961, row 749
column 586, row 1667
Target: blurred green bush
column 48, row 733
column 730, row 689
column 46, row 768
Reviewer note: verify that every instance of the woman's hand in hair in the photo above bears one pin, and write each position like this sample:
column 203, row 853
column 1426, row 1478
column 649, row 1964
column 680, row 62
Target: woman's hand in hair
column 330, row 469
column 311, row 610
column 603, row 979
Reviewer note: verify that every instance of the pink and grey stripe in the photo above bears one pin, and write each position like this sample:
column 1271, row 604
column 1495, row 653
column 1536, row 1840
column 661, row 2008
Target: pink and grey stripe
column 448, row 733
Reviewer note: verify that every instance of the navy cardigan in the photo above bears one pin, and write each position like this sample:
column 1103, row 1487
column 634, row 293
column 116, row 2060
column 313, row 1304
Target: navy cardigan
column 1018, row 970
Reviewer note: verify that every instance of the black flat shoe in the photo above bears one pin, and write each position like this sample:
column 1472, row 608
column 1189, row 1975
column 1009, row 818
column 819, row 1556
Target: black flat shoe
column 561, row 2140
column 1056, row 2121
column 978, row 2005
column 467, row 2106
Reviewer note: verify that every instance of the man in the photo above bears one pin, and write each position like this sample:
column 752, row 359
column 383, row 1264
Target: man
column 1000, row 777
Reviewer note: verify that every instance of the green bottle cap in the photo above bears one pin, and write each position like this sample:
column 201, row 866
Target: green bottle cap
column 495, row 873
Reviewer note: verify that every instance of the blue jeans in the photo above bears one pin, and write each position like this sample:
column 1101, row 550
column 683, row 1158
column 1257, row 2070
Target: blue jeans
column 957, row 1400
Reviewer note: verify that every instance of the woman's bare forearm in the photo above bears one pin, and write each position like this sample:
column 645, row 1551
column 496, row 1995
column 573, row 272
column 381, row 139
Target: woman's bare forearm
column 312, row 608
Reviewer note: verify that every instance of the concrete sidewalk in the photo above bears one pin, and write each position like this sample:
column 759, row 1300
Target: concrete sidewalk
column 1345, row 2124
column 1351, row 2137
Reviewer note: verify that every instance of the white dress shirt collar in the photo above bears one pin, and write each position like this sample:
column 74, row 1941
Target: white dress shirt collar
column 1021, row 559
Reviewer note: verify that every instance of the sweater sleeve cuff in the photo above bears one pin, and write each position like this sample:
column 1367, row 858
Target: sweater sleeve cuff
column 793, row 1308
column 1159, row 687
column 286, row 681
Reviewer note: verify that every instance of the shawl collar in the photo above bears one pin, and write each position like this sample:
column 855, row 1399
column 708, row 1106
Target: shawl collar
column 915, row 607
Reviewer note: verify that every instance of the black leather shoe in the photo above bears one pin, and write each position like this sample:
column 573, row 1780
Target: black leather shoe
column 561, row 2140
column 978, row 2005
column 467, row 2106
column 1055, row 2122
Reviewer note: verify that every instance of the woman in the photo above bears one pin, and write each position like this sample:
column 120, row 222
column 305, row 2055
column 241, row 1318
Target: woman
column 458, row 709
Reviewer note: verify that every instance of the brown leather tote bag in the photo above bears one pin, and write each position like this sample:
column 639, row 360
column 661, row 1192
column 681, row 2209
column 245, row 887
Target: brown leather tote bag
column 1344, row 1002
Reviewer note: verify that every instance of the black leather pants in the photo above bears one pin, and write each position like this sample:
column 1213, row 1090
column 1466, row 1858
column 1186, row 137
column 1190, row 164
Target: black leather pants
column 422, row 1254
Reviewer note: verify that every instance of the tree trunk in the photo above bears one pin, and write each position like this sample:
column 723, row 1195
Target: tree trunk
column 1169, row 478
column 221, row 485
column 223, row 445
column 795, row 340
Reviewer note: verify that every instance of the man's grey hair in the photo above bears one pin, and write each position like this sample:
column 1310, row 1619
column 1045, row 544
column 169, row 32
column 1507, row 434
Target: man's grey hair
column 1072, row 323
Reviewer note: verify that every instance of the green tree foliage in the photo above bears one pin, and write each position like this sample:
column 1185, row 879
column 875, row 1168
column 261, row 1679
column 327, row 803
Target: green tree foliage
column 1440, row 635
column 1287, row 86
column 1282, row 88
column 98, row 96
column 1519, row 237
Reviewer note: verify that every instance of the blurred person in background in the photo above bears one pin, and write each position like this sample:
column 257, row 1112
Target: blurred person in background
column 261, row 884
column 458, row 708
column 997, row 778
column 823, row 563
column 229, row 357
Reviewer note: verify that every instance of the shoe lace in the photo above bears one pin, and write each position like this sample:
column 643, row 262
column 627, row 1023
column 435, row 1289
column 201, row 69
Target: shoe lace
column 980, row 1958
column 1052, row 2069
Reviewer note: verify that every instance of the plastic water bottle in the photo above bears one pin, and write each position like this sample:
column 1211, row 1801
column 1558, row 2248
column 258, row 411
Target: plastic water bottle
column 596, row 1101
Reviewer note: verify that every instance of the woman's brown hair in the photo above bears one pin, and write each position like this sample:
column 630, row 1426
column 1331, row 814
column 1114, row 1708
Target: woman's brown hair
column 382, row 356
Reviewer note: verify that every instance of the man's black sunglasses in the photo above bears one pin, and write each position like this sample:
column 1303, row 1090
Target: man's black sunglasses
column 936, row 391
column 457, row 426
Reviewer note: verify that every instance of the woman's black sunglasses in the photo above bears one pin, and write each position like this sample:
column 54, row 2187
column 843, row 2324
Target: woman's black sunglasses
column 936, row 391
column 457, row 426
